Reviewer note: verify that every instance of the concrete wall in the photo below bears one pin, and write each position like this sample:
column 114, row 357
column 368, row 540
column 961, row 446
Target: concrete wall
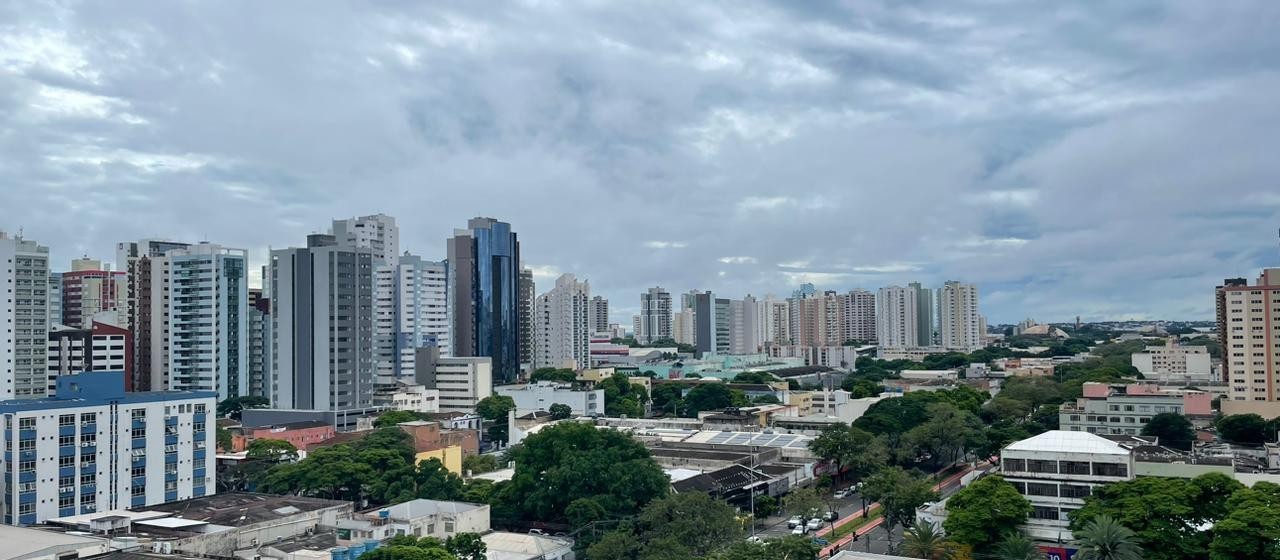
column 254, row 535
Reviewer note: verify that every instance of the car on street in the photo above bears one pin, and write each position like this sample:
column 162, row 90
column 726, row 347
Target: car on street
column 799, row 530
column 814, row 524
column 842, row 493
column 831, row 516
column 795, row 520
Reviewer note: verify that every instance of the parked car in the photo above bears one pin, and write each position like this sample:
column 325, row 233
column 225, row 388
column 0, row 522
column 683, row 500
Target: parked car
column 842, row 493
column 794, row 521
column 755, row 539
column 831, row 516
column 814, row 524
column 799, row 530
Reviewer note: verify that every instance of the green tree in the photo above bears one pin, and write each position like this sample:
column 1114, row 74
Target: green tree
column 560, row 375
column 479, row 464
column 393, row 417
column 466, row 546
column 568, row 461
column 924, row 540
column 802, row 502
column 231, row 408
column 560, row 411
column 766, row 506
column 432, row 481
column 1046, row 416
column 1243, row 428
column 621, row 396
column 754, row 377
column 688, row 525
column 1005, row 408
column 271, row 450
column 1017, row 547
column 766, row 399
column 494, row 409
column 1174, row 430
column 984, row 512
column 1251, row 529
column 224, row 438
column 407, row 553
column 946, row 437
column 668, row 398
column 1103, row 538
column 707, row 396
column 1162, row 510
column 855, row 451
column 899, row 494
column 477, row 491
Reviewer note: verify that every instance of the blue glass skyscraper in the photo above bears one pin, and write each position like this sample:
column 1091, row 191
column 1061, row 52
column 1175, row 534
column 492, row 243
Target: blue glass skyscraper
column 484, row 278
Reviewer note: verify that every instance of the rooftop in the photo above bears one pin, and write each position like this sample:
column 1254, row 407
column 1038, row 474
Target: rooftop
column 414, row 509
column 519, row 546
column 21, row 541
column 1063, row 441
column 242, row 508
column 93, row 388
column 303, row 425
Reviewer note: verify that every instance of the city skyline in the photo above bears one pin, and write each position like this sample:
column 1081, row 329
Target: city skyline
column 1108, row 163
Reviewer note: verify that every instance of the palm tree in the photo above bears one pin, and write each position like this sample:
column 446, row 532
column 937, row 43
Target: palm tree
column 1104, row 538
column 1017, row 547
column 923, row 540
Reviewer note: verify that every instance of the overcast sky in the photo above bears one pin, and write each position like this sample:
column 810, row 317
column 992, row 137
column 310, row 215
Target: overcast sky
column 1104, row 159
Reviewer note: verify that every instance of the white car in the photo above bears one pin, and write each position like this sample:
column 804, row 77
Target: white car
column 799, row 530
column 842, row 493
column 814, row 525
column 794, row 521
column 755, row 539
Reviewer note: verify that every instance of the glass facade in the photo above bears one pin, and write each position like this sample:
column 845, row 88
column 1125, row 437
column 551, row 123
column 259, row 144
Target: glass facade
column 494, row 291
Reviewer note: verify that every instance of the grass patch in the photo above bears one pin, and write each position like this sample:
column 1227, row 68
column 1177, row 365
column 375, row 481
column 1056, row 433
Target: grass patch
column 848, row 528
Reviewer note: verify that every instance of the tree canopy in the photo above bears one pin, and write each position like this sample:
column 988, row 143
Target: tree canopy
column 899, row 494
column 561, row 375
column 857, row 452
column 983, row 513
column 495, row 409
column 1248, row 429
column 232, row 407
column 568, row 462
column 1173, row 429
column 687, row 525
column 621, row 396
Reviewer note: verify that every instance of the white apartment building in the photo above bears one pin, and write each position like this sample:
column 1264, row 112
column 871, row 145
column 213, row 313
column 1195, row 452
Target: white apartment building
column 598, row 314
column 419, row 518
column 100, row 348
column 208, row 320
column 95, row 447
column 859, row 307
column 409, row 397
column 1250, row 319
column 1057, row 470
column 771, row 320
column 410, row 312
column 896, row 318
column 24, row 317
column 1174, row 362
column 683, row 328
column 541, row 395
column 377, row 232
column 655, row 315
column 958, row 317
column 561, row 325
column 462, row 382
column 744, row 332
column 55, row 298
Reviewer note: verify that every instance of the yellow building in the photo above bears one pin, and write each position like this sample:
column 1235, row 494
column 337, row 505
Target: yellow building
column 450, row 456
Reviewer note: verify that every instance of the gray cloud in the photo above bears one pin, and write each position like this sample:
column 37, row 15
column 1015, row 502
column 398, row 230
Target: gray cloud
column 1107, row 161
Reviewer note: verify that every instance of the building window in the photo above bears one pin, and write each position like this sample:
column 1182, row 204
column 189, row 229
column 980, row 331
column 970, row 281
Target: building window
column 1043, row 512
column 1014, row 465
column 1110, row 469
column 1078, row 491
column 1074, row 467
column 1038, row 466
column 1041, row 489
column 67, row 420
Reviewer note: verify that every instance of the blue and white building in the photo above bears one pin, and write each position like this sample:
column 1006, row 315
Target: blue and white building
column 95, row 447
column 410, row 312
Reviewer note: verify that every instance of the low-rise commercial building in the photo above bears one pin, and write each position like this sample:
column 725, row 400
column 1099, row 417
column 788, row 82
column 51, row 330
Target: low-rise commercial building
column 1125, row 409
column 301, row 435
column 1057, row 470
column 462, row 382
column 417, row 518
column 541, row 395
column 1174, row 362
column 95, row 447
column 408, row 397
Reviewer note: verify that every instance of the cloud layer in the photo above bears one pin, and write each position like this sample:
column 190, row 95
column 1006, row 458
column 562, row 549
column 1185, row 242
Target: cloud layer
column 1108, row 161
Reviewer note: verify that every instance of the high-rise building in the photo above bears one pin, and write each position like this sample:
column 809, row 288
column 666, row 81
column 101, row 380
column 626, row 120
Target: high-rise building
column 207, row 334
column 147, row 298
column 598, row 312
column 485, row 294
column 89, row 289
column 24, row 309
column 655, row 315
column 859, row 315
column 462, row 382
column 1251, row 337
column 958, row 317
column 259, row 362
column 322, row 326
column 926, row 321
column 713, row 318
column 683, row 325
column 377, row 232
column 524, row 308
column 896, row 317
column 744, row 332
column 95, row 448
column 562, row 334
column 421, row 314
column 101, row 347
column 1220, row 307
column 817, row 319
column 55, row 299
